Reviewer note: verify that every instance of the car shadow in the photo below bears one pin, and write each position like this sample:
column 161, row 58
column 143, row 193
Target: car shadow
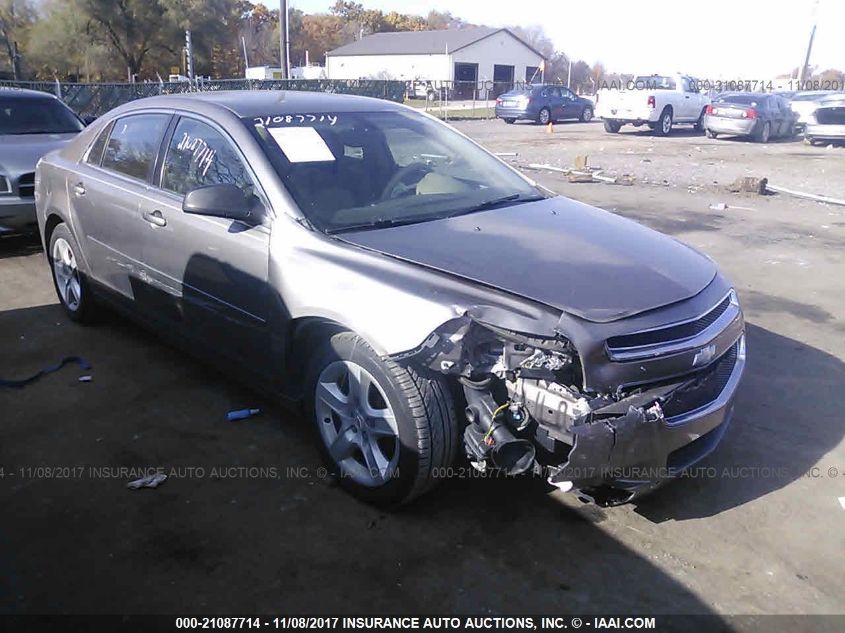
column 19, row 245
column 250, row 543
column 787, row 417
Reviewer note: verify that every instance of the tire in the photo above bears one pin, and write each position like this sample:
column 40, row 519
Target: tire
column 544, row 117
column 69, row 276
column 509, row 121
column 809, row 140
column 400, row 433
column 764, row 134
column 612, row 127
column 586, row 115
column 699, row 125
column 664, row 123
column 710, row 134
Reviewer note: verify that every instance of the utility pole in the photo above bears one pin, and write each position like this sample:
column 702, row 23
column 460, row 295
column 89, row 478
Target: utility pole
column 189, row 55
column 284, row 39
column 16, row 61
column 802, row 76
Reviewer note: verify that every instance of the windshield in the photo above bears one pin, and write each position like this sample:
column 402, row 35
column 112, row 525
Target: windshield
column 37, row 116
column 810, row 96
column 360, row 170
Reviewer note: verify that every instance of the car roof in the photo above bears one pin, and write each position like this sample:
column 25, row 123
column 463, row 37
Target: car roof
column 10, row 92
column 254, row 103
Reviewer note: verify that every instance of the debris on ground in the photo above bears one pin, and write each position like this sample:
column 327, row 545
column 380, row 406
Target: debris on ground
column 719, row 206
column 581, row 162
column 241, row 414
column 594, row 174
column 150, row 481
column 802, row 194
column 86, row 378
column 67, row 360
column 748, row 184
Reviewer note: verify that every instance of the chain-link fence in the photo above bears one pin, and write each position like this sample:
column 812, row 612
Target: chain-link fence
column 94, row 99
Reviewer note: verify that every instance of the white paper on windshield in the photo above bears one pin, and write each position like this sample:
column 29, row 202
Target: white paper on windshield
column 301, row 144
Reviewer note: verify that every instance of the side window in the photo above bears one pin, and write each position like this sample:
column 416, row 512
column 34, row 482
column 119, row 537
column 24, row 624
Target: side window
column 199, row 156
column 95, row 152
column 134, row 143
column 567, row 93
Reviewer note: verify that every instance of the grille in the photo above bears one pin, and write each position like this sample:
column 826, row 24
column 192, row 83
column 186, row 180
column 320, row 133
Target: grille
column 669, row 334
column 26, row 185
column 831, row 116
column 705, row 388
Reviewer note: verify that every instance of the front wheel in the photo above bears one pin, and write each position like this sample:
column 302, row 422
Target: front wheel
column 509, row 120
column 385, row 431
column 612, row 126
column 586, row 115
column 710, row 133
column 69, row 277
column 765, row 132
column 699, row 125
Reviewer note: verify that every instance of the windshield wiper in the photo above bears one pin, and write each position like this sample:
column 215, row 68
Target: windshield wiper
column 495, row 202
column 381, row 223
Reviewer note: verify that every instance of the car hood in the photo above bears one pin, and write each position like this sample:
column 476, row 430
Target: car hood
column 20, row 152
column 565, row 254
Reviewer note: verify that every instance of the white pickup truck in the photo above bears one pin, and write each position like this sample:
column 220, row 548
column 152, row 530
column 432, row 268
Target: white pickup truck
column 659, row 101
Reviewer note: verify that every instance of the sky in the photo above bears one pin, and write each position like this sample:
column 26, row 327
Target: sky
column 711, row 39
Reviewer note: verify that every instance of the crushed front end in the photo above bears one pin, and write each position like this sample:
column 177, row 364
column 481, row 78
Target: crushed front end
column 608, row 410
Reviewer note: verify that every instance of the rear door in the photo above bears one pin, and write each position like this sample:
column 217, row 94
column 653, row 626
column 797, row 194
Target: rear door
column 208, row 274
column 571, row 109
column 107, row 194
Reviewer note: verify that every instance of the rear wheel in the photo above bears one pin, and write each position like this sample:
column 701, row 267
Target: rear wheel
column 69, row 276
column 809, row 140
column 664, row 123
column 586, row 115
column 612, row 126
column 710, row 133
column 509, row 121
column 386, row 431
column 699, row 125
column 764, row 133
column 544, row 117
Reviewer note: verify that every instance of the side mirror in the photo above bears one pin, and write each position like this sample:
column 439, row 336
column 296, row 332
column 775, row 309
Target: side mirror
column 221, row 201
column 88, row 119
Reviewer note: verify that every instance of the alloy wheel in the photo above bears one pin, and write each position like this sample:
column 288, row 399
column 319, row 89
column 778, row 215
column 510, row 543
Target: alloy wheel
column 67, row 274
column 357, row 424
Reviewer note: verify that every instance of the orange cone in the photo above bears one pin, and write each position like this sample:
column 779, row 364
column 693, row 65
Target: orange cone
column 551, row 128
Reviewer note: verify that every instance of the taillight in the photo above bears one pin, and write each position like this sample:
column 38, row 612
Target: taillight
column 651, row 102
column 750, row 114
column 499, row 101
column 708, row 110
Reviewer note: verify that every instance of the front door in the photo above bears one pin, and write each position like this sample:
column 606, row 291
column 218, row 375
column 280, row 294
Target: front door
column 107, row 194
column 208, row 274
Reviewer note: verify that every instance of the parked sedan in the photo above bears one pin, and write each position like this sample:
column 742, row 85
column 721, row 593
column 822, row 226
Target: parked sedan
column 758, row 115
column 419, row 296
column 31, row 124
column 827, row 121
column 544, row 104
column 803, row 103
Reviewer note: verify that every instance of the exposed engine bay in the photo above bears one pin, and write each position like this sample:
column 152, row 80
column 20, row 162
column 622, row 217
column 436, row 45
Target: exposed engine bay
column 527, row 409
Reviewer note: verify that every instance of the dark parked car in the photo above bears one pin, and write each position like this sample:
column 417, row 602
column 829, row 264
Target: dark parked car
column 760, row 115
column 420, row 297
column 827, row 121
column 543, row 103
column 31, row 124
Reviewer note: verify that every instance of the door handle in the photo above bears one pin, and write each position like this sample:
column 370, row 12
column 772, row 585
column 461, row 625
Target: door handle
column 154, row 217
column 79, row 190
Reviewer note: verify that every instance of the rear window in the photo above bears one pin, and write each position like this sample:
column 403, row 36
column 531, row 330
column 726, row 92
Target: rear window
column 654, row 82
column 752, row 100
column 21, row 115
column 134, row 144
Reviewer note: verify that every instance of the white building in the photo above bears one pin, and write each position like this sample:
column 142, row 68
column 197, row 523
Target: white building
column 468, row 56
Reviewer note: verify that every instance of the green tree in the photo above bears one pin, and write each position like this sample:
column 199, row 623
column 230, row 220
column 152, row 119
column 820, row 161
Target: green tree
column 16, row 18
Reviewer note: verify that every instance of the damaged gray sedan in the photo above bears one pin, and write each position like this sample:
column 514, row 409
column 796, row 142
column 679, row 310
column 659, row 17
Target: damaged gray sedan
column 418, row 296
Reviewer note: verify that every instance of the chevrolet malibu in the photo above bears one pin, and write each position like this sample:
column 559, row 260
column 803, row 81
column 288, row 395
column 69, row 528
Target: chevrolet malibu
column 419, row 297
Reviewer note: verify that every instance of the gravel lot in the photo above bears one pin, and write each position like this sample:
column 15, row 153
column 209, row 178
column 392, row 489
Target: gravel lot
column 759, row 531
